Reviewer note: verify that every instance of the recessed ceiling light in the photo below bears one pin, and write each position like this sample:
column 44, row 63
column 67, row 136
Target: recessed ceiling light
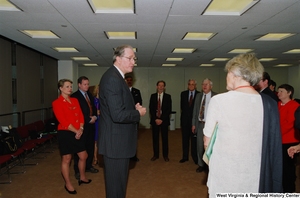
column 168, row 65
column 220, row 59
column 266, row 59
column 293, row 51
column 174, row 59
column 283, row 65
column 8, row 6
column 183, row 50
column 240, row 51
column 121, row 35
column 90, row 64
column 43, row 34
column 229, row 7
column 80, row 58
column 65, row 49
column 112, row 6
column 198, row 36
column 207, row 65
column 274, row 37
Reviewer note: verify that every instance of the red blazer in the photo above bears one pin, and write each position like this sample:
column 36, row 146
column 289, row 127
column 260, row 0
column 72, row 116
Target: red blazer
column 287, row 119
column 67, row 113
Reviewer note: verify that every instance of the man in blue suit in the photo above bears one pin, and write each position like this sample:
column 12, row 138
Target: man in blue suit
column 118, row 122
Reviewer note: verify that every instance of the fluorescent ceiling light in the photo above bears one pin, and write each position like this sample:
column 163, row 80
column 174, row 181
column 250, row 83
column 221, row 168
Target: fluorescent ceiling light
column 220, row 59
column 90, row 64
column 174, row 59
column 78, row 58
column 275, row 36
column 207, row 65
column 8, row 6
column 266, row 59
column 229, row 7
column 44, row 34
column 184, row 50
column 240, row 51
column 112, row 6
column 121, row 35
column 283, row 65
column 198, row 36
column 65, row 49
column 168, row 65
column 293, row 51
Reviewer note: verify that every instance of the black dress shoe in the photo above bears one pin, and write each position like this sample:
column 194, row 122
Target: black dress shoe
column 200, row 169
column 71, row 192
column 166, row 159
column 84, row 182
column 154, row 158
column 183, row 160
column 135, row 159
column 92, row 170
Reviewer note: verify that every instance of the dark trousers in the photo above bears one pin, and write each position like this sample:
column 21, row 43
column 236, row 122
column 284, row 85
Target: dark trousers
column 187, row 137
column 164, row 136
column 89, row 136
column 289, row 170
column 116, row 176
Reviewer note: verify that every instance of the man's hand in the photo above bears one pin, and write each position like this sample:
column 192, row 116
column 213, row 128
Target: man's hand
column 141, row 109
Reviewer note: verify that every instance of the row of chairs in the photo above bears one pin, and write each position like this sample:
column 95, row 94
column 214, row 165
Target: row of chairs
column 29, row 149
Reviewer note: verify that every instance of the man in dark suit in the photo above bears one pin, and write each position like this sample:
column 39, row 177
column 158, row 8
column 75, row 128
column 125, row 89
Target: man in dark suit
column 264, row 84
column 198, row 121
column 160, row 108
column 117, row 125
column 86, row 101
column 136, row 94
column 187, row 100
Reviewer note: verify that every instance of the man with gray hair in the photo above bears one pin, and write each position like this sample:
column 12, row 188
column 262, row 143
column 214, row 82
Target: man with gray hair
column 187, row 100
column 198, row 120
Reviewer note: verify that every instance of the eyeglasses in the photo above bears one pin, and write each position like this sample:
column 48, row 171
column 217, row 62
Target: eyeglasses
column 134, row 58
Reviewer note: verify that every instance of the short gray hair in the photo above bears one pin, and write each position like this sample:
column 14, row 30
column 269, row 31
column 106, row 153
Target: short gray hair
column 247, row 67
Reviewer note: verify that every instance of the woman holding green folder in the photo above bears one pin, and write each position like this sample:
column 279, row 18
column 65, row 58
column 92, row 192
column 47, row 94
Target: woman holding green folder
column 246, row 155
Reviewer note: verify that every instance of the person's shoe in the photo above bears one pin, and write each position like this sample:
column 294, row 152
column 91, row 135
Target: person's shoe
column 154, row 158
column 71, row 192
column 77, row 176
column 84, row 182
column 183, row 160
column 166, row 159
column 135, row 159
column 92, row 170
column 200, row 169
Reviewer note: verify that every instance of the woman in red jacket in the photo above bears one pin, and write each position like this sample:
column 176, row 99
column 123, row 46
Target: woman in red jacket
column 290, row 137
column 70, row 128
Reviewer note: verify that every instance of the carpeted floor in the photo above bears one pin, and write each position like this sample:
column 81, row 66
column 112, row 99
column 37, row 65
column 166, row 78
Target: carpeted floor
column 147, row 179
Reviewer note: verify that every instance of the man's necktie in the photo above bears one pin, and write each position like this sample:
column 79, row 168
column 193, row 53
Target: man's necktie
column 158, row 113
column 89, row 103
column 191, row 99
column 202, row 109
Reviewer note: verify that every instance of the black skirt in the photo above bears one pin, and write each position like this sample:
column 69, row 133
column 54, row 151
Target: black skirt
column 68, row 144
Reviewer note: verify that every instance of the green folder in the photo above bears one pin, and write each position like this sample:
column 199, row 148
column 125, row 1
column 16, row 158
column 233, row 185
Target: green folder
column 208, row 152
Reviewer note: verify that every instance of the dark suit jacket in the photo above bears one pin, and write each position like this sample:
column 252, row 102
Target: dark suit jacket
column 270, row 93
column 271, row 158
column 166, row 109
column 84, row 105
column 136, row 94
column 186, row 110
column 118, row 118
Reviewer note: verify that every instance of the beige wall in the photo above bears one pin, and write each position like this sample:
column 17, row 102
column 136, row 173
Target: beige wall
column 176, row 80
